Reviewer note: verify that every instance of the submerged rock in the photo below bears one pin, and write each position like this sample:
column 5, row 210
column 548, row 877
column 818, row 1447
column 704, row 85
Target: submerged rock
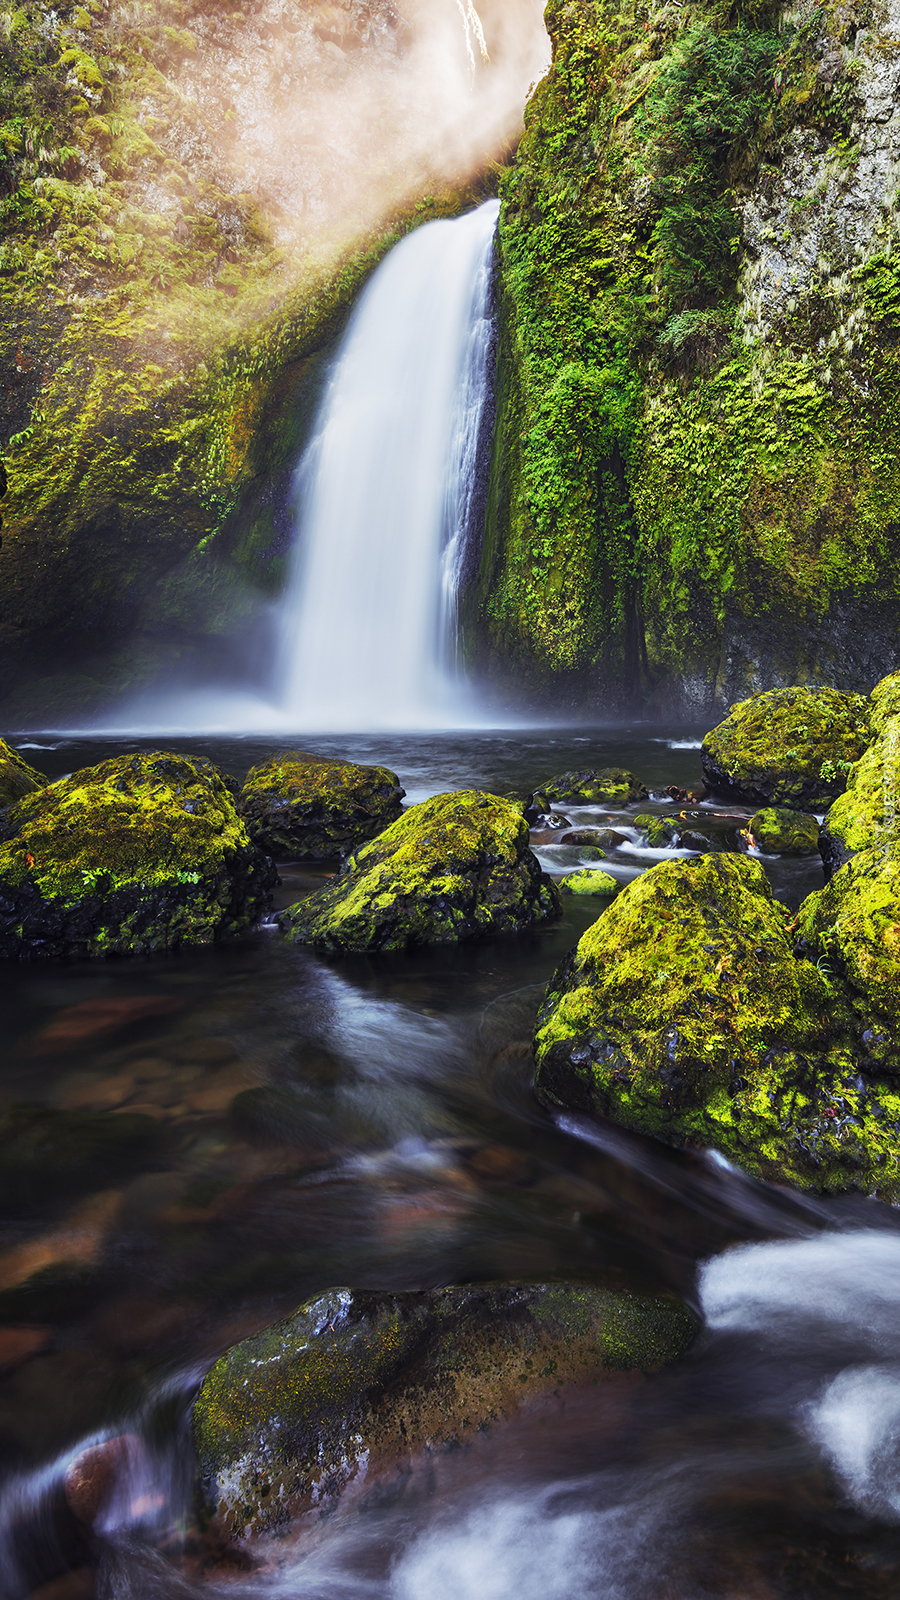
column 456, row 867
column 610, row 786
column 355, row 1383
column 45, row 1153
column 865, row 817
column 787, row 747
column 684, row 1013
column 16, row 776
column 588, row 881
column 852, row 927
column 304, row 807
column 778, row 831
column 141, row 853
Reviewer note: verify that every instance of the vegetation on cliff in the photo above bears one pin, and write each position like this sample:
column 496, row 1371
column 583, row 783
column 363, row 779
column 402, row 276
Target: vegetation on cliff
column 694, row 469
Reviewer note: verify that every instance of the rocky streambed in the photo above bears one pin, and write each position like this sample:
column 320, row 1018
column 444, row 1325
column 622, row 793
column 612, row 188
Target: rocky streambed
column 207, row 1146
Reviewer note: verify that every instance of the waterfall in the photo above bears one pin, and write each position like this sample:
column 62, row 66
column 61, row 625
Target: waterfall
column 388, row 491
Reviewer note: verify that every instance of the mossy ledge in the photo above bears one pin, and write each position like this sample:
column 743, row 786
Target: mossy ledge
column 17, row 778
column 684, row 1012
column 354, row 1384
column 455, row 868
column 142, row 853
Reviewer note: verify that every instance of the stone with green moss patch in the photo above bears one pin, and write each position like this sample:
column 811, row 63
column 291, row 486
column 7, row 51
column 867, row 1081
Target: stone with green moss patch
column 852, row 928
column 788, row 747
column 684, row 1013
column 660, row 831
column 16, row 776
column 455, row 868
column 588, row 882
column 305, row 807
column 778, row 831
column 353, row 1385
column 865, row 817
column 610, row 786
column 142, row 853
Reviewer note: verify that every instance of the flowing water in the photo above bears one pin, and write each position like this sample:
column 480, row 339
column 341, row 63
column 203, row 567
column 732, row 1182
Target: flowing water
column 370, row 1121
column 387, row 489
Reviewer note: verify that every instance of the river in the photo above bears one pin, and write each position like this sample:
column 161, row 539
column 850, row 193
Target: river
column 370, row 1122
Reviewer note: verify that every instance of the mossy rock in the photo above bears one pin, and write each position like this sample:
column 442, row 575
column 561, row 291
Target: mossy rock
column 684, row 1013
column 588, row 882
column 45, row 1153
column 885, row 699
column 141, row 853
column 17, row 778
column 777, row 831
column 610, row 786
column 660, row 831
column 787, row 747
column 865, row 816
column 852, row 927
column 587, row 838
column 354, row 1384
column 303, row 807
column 455, row 868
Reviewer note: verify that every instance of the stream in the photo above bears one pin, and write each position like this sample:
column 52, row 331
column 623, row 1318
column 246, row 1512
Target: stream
column 370, row 1122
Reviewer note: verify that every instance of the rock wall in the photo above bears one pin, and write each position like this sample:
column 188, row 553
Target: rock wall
column 695, row 474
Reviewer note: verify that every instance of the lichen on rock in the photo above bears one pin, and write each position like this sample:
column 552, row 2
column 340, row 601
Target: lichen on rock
column 852, row 928
column 142, row 853
column 684, row 1013
column 17, row 778
column 455, row 868
column 355, row 1384
column 306, row 807
column 779, row 831
column 787, row 747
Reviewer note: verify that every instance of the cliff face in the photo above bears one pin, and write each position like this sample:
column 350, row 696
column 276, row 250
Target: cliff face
column 191, row 193
column 695, row 479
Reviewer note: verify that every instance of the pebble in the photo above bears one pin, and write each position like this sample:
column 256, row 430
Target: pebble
column 78, row 1241
column 93, row 1019
column 104, row 1094
column 91, row 1478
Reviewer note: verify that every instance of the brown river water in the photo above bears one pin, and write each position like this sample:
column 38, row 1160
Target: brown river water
column 370, row 1122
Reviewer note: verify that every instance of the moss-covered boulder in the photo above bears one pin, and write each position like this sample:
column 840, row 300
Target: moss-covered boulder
column 885, row 702
column 353, row 1384
column 456, row 867
column 301, row 807
column 778, row 831
column 852, row 928
column 684, row 1013
column 787, row 747
column 660, row 831
column 610, row 786
column 141, row 853
column 865, row 817
column 16, row 776
column 589, row 881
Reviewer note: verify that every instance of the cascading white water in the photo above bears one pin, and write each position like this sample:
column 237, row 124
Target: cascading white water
column 385, row 492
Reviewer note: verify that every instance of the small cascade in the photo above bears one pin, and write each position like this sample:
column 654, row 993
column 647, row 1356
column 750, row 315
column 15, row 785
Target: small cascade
column 389, row 491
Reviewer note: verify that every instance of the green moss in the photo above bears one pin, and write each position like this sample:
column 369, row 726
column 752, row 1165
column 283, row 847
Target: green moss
column 456, row 867
column 684, row 1013
column 853, row 928
column 660, row 831
column 588, row 882
column 885, row 699
column 678, row 512
column 777, row 831
column 16, row 776
column 303, row 806
column 789, row 747
column 610, row 786
column 357, row 1383
column 866, row 814
column 140, row 853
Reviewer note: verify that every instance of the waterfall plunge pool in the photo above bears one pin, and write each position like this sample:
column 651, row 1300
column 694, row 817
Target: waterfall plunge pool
column 402, row 1148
